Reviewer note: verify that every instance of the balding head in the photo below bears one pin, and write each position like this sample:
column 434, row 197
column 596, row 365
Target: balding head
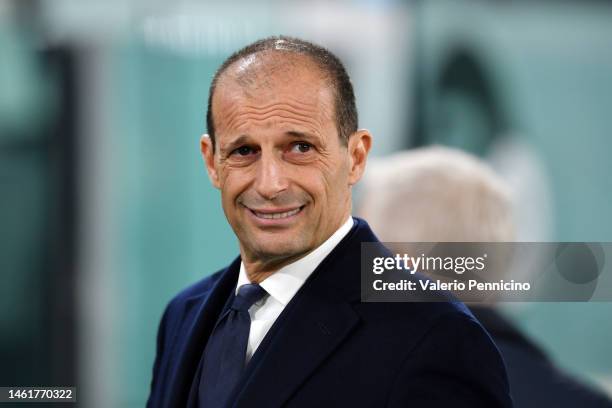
column 268, row 61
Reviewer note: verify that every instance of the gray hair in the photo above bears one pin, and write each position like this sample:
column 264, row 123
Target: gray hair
column 436, row 194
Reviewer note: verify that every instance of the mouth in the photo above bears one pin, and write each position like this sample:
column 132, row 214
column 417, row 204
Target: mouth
column 276, row 214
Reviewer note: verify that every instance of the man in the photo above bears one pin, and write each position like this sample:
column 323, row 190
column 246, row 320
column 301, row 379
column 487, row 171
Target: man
column 283, row 324
column 439, row 194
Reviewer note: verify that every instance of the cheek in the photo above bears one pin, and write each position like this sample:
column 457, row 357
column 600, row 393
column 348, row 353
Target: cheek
column 233, row 183
column 335, row 176
column 326, row 183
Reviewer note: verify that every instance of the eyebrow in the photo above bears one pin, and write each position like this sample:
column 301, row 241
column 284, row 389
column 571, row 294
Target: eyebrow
column 301, row 135
column 239, row 141
column 245, row 139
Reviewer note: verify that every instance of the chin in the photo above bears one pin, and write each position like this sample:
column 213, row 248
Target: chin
column 279, row 249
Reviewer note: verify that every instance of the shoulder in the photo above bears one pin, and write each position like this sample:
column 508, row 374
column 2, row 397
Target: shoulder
column 196, row 290
column 182, row 308
column 446, row 341
column 416, row 319
column 182, row 305
column 199, row 288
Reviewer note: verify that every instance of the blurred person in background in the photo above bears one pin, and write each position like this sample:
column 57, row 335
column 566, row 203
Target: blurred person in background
column 439, row 194
column 283, row 324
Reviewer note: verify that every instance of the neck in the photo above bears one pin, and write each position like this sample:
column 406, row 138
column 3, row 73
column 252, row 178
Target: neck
column 258, row 267
column 258, row 270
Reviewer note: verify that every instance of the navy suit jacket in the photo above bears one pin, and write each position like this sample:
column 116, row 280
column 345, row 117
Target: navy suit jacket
column 534, row 378
column 329, row 349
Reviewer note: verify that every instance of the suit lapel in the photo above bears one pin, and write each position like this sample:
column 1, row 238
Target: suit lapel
column 302, row 338
column 310, row 329
column 201, row 315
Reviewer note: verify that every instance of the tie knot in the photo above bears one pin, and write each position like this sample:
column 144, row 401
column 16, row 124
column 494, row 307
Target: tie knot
column 247, row 295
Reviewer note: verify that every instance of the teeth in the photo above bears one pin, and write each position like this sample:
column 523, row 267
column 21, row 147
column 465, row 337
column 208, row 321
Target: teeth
column 275, row 216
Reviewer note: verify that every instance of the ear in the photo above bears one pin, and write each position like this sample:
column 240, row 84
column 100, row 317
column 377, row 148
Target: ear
column 208, row 155
column 359, row 145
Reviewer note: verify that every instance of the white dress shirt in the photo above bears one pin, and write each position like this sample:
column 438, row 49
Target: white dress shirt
column 282, row 285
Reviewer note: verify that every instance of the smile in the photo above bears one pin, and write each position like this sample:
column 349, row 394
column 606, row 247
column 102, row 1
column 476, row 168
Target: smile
column 268, row 215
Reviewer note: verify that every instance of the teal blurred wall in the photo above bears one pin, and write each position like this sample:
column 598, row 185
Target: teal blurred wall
column 170, row 227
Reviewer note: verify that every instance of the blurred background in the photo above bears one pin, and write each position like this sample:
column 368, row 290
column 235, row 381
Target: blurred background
column 106, row 210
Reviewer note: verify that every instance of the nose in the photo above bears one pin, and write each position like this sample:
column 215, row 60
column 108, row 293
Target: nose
column 271, row 179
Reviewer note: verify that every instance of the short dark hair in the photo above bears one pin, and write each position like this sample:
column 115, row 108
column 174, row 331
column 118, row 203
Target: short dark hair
column 330, row 65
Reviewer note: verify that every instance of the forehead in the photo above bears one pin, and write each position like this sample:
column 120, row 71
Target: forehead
column 273, row 79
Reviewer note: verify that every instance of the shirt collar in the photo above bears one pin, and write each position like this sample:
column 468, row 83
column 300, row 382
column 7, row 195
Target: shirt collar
column 283, row 284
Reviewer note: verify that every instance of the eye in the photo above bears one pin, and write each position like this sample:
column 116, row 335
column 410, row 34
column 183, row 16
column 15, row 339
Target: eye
column 301, row 147
column 243, row 151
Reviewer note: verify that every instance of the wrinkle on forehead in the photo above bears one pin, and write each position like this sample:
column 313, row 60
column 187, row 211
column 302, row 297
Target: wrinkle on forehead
column 268, row 90
column 276, row 114
column 238, row 115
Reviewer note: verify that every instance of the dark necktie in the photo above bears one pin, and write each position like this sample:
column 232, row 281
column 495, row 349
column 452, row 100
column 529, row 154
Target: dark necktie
column 225, row 353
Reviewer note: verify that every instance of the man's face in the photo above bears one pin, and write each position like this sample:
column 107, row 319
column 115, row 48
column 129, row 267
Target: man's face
column 285, row 177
